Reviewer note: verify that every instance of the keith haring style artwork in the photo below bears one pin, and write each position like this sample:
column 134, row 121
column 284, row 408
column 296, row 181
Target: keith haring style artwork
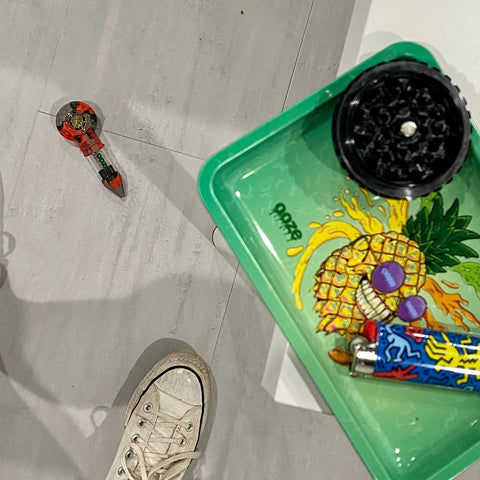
column 427, row 356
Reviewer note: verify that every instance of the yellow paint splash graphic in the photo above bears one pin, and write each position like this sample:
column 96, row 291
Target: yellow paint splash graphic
column 292, row 252
column 366, row 194
column 398, row 214
column 370, row 224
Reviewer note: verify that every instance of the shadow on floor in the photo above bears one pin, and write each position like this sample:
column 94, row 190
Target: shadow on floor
column 62, row 406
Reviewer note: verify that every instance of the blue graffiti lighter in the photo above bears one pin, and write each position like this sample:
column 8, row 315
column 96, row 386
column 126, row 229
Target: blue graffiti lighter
column 414, row 354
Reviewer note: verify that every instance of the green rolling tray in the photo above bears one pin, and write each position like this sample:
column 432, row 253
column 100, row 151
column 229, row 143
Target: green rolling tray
column 401, row 431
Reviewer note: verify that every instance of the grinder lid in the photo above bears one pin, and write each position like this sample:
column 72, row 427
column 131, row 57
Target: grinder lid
column 401, row 129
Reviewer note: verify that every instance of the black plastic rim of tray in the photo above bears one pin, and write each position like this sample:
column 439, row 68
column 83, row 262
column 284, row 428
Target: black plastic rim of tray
column 401, row 129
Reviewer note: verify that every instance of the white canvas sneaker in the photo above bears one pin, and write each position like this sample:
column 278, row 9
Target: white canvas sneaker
column 164, row 420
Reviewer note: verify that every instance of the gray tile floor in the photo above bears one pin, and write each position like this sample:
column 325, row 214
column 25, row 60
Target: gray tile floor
column 94, row 290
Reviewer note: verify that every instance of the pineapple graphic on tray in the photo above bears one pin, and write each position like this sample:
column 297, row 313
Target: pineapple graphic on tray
column 384, row 273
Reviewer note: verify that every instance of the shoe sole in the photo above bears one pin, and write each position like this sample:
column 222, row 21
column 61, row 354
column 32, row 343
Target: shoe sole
column 179, row 359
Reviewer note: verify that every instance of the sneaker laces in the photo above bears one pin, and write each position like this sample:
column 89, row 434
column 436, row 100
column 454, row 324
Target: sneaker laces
column 150, row 463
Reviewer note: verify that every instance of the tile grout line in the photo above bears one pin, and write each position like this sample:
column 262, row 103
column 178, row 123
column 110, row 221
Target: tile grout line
column 139, row 141
column 224, row 315
column 298, row 55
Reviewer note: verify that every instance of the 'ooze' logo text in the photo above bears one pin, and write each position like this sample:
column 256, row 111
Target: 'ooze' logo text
column 280, row 213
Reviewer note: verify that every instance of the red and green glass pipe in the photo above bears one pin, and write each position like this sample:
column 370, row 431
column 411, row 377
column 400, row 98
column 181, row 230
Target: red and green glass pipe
column 414, row 354
column 76, row 121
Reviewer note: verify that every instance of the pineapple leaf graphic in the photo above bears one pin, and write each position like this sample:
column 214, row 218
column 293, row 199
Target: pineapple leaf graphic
column 440, row 234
